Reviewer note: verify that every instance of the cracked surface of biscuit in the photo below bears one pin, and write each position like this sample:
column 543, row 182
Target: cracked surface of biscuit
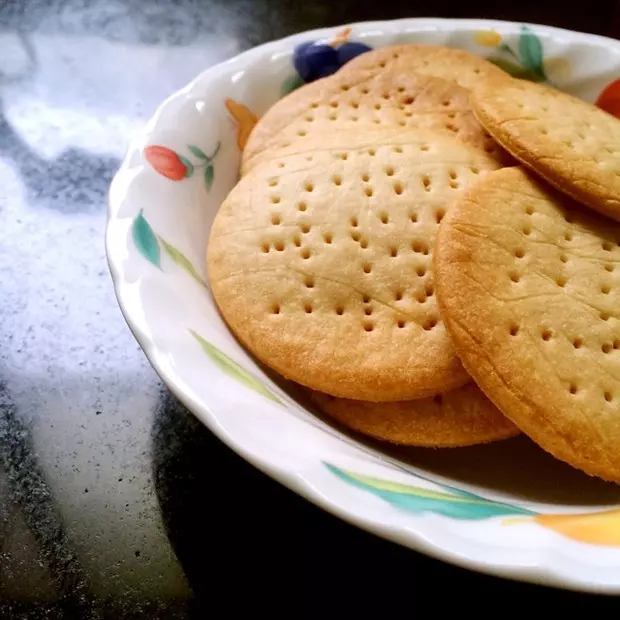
column 320, row 261
column 452, row 64
column 571, row 143
column 393, row 97
column 529, row 287
column 460, row 417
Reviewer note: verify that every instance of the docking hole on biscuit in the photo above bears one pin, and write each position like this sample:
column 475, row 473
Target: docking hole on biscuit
column 419, row 247
column 275, row 219
column 368, row 326
column 429, row 324
column 400, row 323
column 328, row 238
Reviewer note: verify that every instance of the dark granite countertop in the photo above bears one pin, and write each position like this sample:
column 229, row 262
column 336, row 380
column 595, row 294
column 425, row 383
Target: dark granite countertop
column 114, row 501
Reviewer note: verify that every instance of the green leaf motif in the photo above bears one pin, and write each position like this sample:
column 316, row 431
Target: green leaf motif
column 209, row 174
column 145, row 240
column 290, row 84
column 181, row 260
column 189, row 167
column 515, row 70
column 217, row 150
column 456, row 504
column 232, row 369
column 197, row 152
column 531, row 51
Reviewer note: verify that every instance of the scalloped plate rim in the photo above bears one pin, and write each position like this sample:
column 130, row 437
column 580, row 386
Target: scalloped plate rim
column 535, row 569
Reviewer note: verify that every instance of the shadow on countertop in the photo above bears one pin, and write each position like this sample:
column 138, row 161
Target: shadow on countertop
column 266, row 529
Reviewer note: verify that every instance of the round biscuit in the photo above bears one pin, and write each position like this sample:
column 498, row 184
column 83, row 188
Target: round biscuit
column 460, row 417
column 392, row 97
column 455, row 65
column 528, row 285
column 320, row 261
column 571, row 143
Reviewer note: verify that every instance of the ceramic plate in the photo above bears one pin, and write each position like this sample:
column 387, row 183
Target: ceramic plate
column 506, row 509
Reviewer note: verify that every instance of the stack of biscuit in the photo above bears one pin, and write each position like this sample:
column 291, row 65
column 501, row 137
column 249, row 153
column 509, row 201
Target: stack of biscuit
column 414, row 240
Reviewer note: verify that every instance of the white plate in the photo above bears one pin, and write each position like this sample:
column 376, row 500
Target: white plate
column 506, row 509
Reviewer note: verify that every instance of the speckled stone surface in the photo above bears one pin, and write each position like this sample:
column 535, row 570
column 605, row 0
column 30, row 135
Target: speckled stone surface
column 114, row 501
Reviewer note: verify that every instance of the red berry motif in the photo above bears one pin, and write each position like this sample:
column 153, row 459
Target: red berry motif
column 609, row 99
column 166, row 162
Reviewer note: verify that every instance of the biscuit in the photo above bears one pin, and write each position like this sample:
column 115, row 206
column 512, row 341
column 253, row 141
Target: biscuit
column 455, row 65
column 320, row 261
column 571, row 143
column 392, row 97
column 528, row 285
column 460, row 417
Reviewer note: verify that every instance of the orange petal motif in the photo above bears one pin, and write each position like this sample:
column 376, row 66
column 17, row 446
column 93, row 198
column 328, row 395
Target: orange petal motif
column 609, row 99
column 245, row 119
column 166, row 162
column 598, row 528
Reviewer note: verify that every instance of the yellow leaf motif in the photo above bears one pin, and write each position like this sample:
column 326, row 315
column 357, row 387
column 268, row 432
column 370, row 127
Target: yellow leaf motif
column 245, row 119
column 488, row 38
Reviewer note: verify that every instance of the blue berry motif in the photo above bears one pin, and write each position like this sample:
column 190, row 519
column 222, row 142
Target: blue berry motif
column 314, row 60
column 348, row 51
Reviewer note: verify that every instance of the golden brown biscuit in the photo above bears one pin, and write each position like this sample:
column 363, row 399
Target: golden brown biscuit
column 392, row 97
column 320, row 261
column 571, row 143
column 455, row 65
column 529, row 288
column 461, row 417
